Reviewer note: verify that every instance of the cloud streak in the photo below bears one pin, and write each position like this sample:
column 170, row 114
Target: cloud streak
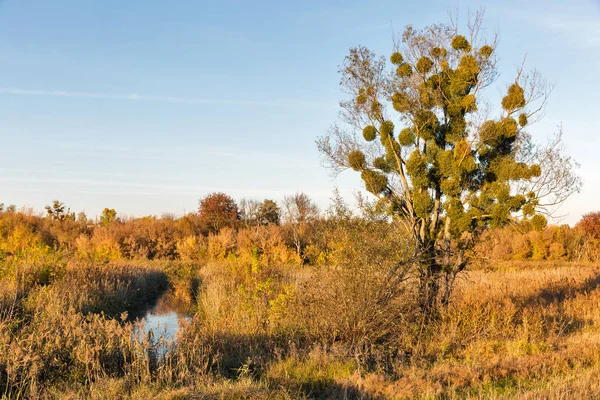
column 152, row 98
column 130, row 187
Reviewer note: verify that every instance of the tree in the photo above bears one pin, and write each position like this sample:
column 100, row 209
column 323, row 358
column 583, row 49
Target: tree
column 590, row 224
column 217, row 211
column 256, row 213
column 82, row 217
column 431, row 153
column 249, row 212
column 300, row 212
column 268, row 213
column 108, row 215
column 58, row 212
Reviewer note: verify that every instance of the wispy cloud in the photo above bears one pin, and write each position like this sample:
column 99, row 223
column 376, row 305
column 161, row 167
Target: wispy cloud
column 47, row 184
column 579, row 26
column 584, row 32
column 162, row 99
column 190, row 152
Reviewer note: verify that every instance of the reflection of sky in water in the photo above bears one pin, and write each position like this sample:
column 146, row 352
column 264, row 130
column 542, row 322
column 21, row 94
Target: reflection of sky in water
column 163, row 323
column 164, row 318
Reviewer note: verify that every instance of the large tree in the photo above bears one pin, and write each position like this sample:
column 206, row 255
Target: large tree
column 217, row 211
column 436, row 154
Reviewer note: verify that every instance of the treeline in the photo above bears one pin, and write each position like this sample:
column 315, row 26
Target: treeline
column 523, row 242
column 251, row 232
column 257, row 233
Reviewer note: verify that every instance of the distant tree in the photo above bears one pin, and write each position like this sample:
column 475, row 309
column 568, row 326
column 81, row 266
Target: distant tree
column 82, row 217
column 217, row 211
column 338, row 209
column 58, row 211
column 269, row 212
column 590, row 224
column 108, row 216
column 300, row 212
column 168, row 216
column 431, row 153
column 189, row 225
column 300, row 208
column 255, row 213
column 249, row 212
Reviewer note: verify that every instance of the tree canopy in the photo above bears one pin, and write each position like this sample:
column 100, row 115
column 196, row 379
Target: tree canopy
column 108, row 215
column 58, row 211
column 590, row 224
column 217, row 211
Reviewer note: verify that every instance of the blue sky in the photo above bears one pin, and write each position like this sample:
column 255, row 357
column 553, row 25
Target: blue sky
column 145, row 107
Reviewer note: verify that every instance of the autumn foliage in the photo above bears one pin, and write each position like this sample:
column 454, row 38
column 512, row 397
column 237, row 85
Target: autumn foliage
column 217, row 211
column 590, row 225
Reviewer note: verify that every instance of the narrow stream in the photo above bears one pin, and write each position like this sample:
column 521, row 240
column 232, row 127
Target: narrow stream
column 165, row 316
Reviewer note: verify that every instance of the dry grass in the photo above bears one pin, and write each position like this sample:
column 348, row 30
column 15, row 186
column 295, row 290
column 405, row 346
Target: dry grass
column 514, row 333
column 520, row 331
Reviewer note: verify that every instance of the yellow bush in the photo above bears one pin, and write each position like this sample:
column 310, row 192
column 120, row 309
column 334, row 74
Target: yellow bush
column 556, row 251
column 19, row 240
column 192, row 248
column 521, row 248
column 221, row 244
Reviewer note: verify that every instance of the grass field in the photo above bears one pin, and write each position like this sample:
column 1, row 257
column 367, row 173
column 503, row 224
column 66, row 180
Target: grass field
column 520, row 330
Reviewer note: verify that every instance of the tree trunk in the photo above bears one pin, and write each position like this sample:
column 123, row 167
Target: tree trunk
column 429, row 285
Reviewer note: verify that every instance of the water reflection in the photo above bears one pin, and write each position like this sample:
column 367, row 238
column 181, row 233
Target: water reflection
column 165, row 317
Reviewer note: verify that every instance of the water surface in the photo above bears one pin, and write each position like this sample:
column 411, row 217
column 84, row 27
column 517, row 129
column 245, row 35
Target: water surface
column 165, row 317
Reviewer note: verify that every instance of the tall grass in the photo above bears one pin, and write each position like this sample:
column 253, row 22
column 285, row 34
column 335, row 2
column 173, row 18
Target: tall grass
column 524, row 330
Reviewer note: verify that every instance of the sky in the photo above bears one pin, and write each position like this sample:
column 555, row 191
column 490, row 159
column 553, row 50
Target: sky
column 147, row 106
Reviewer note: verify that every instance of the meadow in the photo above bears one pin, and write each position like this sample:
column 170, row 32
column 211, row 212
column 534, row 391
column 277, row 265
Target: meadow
column 335, row 317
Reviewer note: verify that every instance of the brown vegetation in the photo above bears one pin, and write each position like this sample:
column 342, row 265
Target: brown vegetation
column 341, row 319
